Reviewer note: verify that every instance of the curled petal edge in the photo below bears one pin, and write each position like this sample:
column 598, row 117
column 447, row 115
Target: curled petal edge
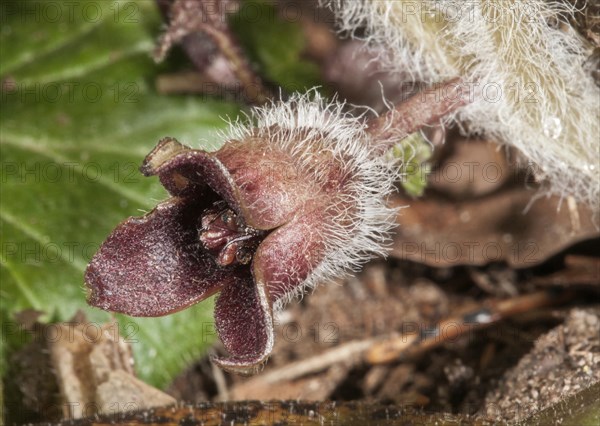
column 186, row 172
column 244, row 321
column 260, row 190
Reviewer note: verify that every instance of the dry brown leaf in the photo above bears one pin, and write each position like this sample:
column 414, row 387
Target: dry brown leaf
column 505, row 227
column 93, row 368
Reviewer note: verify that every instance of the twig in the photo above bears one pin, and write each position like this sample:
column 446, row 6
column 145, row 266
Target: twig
column 380, row 350
column 348, row 353
column 579, row 270
column 208, row 17
column 491, row 312
column 182, row 82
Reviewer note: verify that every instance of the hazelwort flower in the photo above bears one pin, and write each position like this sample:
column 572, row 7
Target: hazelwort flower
column 281, row 206
column 298, row 199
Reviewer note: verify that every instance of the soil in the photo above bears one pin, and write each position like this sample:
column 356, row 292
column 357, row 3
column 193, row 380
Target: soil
column 505, row 372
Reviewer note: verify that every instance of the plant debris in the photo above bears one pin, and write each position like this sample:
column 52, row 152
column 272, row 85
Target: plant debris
column 563, row 362
column 79, row 369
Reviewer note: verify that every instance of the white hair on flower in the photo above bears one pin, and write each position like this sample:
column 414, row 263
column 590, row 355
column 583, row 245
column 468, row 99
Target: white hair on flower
column 308, row 121
column 533, row 92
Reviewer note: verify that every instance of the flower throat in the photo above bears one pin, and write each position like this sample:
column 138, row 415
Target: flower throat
column 225, row 235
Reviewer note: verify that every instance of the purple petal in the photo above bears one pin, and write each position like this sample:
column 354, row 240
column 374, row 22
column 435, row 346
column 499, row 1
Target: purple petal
column 187, row 172
column 245, row 325
column 288, row 255
column 182, row 171
column 152, row 266
column 261, row 184
column 270, row 187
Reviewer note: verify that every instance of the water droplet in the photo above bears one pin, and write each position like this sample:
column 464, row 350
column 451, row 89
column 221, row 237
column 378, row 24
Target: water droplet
column 553, row 127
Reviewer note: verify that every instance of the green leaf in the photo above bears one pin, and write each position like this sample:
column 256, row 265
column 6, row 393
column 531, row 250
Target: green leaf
column 414, row 152
column 275, row 45
column 79, row 113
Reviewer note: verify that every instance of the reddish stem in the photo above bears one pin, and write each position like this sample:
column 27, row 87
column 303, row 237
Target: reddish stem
column 426, row 107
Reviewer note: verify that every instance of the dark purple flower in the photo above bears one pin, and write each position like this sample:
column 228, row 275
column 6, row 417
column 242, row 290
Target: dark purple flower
column 296, row 200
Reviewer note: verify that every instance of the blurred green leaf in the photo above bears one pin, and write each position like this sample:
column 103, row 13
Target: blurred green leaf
column 79, row 113
column 275, row 45
column 415, row 152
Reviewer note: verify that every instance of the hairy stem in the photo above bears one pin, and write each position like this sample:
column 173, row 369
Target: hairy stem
column 426, row 107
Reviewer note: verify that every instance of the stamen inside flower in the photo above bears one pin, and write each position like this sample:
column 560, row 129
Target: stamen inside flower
column 224, row 234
